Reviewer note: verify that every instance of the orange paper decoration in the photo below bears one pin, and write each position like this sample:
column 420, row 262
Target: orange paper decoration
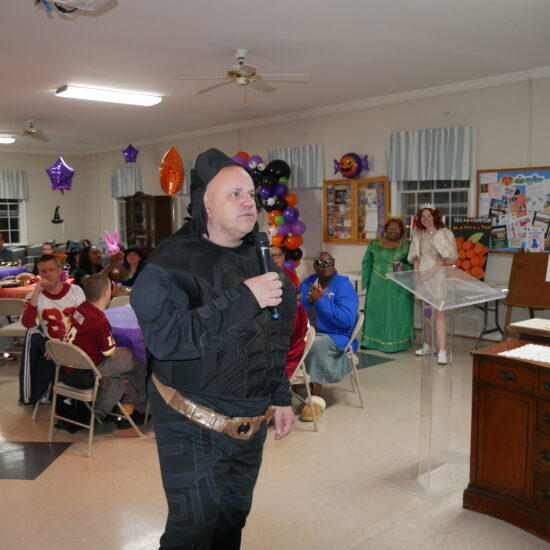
column 171, row 172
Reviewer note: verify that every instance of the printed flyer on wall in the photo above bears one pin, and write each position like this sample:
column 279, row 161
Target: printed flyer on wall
column 499, row 239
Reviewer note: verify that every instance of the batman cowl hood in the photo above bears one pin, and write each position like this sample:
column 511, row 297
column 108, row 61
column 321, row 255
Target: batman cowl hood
column 207, row 166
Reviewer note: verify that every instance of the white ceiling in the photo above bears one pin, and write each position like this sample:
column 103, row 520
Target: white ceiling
column 353, row 49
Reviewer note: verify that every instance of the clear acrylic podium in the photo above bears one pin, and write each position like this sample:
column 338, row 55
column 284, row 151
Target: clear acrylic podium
column 443, row 467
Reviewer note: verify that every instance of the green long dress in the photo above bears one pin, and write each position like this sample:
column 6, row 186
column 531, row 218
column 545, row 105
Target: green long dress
column 389, row 324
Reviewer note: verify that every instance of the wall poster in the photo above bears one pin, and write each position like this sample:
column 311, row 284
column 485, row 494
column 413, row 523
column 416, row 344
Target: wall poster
column 517, row 201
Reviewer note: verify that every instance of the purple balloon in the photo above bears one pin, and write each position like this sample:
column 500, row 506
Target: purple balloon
column 290, row 214
column 61, row 175
column 283, row 229
column 240, row 161
column 265, row 193
column 280, row 190
column 290, row 264
column 130, row 153
column 254, row 161
column 298, row 228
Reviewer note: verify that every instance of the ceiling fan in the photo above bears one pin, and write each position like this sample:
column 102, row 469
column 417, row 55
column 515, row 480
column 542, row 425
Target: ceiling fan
column 28, row 131
column 246, row 75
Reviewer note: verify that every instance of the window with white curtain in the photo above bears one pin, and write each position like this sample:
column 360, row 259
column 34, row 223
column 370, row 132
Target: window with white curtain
column 12, row 221
column 433, row 166
column 450, row 197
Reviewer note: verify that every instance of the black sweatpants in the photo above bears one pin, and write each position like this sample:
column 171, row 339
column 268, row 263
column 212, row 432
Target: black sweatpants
column 208, row 479
column 36, row 372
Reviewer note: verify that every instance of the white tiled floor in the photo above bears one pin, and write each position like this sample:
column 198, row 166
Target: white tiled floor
column 320, row 491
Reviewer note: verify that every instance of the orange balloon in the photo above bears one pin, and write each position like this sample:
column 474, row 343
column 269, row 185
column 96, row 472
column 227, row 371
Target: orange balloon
column 291, row 199
column 273, row 214
column 277, row 240
column 171, row 172
column 243, row 155
column 294, row 241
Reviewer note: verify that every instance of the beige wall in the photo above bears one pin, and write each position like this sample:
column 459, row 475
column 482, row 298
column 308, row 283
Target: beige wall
column 512, row 123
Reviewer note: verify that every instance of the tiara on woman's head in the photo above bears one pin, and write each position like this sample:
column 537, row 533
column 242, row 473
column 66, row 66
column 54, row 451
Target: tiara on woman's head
column 427, row 205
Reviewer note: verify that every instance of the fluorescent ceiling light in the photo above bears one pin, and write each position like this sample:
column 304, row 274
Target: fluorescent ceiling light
column 6, row 139
column 111, row 96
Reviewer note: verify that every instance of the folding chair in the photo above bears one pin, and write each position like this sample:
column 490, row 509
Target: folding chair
column 10, row 308
column 69, row 355
column 118, row 301
column 348, row 350
column 300, row 375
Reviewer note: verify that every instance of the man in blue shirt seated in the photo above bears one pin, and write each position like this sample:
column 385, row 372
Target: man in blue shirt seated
column 332, row 305
column 5, row 254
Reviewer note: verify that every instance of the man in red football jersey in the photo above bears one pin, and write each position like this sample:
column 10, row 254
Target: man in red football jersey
column 123, row 376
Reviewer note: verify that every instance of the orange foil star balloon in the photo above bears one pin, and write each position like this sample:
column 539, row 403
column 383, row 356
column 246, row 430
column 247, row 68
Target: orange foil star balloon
column 171, row 172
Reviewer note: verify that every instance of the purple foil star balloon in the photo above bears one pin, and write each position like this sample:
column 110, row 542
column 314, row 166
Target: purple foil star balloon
column 61, row 175
column 130, row 153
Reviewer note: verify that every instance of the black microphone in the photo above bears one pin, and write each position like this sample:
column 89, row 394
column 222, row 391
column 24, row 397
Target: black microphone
column 263, row 246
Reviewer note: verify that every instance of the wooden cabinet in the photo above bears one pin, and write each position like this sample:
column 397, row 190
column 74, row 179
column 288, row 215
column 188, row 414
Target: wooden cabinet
column 147, row 220
column 510, row 454
column 355, row 209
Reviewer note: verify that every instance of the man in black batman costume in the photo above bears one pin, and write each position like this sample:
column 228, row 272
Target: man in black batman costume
column 217, row 357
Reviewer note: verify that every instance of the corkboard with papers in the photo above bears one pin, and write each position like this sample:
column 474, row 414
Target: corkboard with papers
column 517, row 200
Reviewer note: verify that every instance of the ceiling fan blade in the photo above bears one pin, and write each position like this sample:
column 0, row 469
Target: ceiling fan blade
column 214, row 86
column 286, row 77
column 261, row 86
column 200, row 77
column 40, row 136
column 247, row 70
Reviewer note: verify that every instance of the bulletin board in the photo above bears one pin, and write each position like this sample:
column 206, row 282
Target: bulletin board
column 517, row 201
column 355, row 210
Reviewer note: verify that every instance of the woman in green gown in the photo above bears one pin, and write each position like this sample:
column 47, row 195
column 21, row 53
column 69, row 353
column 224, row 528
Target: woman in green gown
column 389, row 324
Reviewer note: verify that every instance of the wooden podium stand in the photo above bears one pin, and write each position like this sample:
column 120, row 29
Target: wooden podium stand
column 510, row 454
column 527, row 286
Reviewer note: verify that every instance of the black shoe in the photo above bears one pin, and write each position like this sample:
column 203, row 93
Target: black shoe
column 121, row 423
column 139, row 417
column 68, row 427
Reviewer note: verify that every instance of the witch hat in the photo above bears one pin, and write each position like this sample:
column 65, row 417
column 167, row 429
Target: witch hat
column 56, row 217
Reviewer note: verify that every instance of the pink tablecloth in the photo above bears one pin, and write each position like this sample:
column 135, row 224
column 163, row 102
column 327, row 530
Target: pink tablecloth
column 16, row 292
column 126, row 331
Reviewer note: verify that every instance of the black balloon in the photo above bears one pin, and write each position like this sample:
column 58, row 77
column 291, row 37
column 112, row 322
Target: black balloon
column 280, row 204
column 269, row 182
column 256, row 175
column 278, row 169
column 295, row 254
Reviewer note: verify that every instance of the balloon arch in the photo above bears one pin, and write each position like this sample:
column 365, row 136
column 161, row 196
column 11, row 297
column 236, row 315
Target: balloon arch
column 272, row 194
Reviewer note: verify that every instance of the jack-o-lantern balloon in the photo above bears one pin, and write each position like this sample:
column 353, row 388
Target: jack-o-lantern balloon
column 351, row 165
column 171, row 172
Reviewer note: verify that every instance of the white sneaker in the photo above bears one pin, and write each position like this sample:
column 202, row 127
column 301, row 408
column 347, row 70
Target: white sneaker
column 426, row 349
column 442, row 357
